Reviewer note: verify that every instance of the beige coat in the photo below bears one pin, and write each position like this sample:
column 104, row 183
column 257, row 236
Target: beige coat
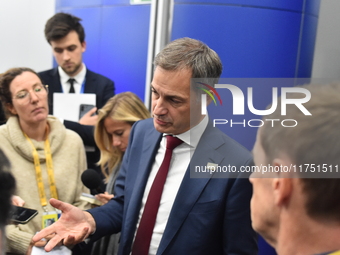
column 69, row 161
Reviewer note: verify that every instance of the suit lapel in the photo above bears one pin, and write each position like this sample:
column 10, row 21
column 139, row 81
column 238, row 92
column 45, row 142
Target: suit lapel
column 147, row 156
column 191, row 188
column 55, row 80
column 54, row 86
column 90, row 79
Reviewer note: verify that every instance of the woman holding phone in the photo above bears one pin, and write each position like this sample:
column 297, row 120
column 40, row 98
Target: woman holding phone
column 46, row 159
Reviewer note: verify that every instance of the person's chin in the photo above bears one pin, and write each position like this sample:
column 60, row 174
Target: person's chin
column 70, row 70
column 162, row 127
column 41, row 116
column 263, row 229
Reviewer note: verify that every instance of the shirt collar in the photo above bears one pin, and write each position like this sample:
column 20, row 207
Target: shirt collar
column 80, row 77
column 193, row 135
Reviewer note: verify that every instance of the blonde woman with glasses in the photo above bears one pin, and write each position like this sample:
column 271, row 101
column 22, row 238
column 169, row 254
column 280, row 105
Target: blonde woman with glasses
column 47, row 159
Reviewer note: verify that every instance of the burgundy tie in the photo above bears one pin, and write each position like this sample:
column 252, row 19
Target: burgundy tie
column 144, row 232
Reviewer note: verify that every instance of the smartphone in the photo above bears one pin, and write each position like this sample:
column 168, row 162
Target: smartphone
column 84, row 108
column 22, row 215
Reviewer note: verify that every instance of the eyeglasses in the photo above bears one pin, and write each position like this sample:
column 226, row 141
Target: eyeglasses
column 39, row 90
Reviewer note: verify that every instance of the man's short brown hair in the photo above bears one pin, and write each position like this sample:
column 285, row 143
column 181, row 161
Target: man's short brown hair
column 61, row 24
column 315, row 140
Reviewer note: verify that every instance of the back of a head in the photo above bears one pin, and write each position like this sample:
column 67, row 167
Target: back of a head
column 61, row 24
column 192, row 54
column 314, row 140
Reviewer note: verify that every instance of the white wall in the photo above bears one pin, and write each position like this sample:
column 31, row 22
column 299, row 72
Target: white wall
column 22, row 41
column 326, row 63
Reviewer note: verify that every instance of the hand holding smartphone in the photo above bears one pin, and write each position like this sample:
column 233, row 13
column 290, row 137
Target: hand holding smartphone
column 84, row 108
column 22, row 215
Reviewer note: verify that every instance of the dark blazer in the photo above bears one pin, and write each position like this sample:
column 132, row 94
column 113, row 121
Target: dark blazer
column 84, row 131
column 209, row 215
column 95, row 83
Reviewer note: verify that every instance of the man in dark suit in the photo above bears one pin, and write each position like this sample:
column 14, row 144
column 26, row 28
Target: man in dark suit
column 66, row 36
column 191, row 215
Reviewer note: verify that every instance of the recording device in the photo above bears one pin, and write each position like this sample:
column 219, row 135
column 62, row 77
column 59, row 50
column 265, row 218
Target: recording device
column 22, row 215
column 92, row 180
column 84, row 108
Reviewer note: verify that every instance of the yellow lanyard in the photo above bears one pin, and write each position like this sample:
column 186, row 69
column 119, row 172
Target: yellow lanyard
column 49, row 166
column 335, row 253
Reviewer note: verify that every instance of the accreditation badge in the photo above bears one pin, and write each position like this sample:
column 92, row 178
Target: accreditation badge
column 49, row 218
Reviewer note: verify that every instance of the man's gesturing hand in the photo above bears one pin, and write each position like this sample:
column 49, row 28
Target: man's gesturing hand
column 73, row 227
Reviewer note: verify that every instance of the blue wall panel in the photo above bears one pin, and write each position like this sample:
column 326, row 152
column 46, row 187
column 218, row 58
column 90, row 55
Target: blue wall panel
column 307, row 6
column 77, row 3
column 295, row 5
column 245, row 50
column 116, row 2
column 124, row 48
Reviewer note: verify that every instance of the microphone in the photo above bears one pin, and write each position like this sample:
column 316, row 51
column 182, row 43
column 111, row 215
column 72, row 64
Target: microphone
column 92, row 180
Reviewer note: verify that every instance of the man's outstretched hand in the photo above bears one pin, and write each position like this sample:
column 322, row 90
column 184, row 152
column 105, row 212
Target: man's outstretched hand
column 73, row 227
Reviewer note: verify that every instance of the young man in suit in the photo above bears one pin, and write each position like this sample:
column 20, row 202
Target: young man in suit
column 298, row 211
column 66, row 36
column 187, row 215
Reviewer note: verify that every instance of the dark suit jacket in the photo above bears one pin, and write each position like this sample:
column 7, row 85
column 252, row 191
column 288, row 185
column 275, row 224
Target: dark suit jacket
column 95, row 83
column 209, row 216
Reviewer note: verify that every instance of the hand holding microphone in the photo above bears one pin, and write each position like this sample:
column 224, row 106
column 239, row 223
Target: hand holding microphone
column 92, row 180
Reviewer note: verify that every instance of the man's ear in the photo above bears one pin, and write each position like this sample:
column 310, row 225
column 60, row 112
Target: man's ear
column 83, row 45
column 11, row 109
column 282, row 185
column 209, row 99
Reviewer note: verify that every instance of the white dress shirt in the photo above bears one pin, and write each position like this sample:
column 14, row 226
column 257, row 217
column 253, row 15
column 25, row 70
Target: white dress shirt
column 181, row 157
column 79, row 80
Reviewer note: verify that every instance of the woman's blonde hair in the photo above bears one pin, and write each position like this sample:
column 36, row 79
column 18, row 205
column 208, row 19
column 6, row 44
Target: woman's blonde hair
column 126, row 107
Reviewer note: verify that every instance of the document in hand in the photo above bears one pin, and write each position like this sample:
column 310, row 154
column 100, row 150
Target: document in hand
column 59, row 250
column 66, row 106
